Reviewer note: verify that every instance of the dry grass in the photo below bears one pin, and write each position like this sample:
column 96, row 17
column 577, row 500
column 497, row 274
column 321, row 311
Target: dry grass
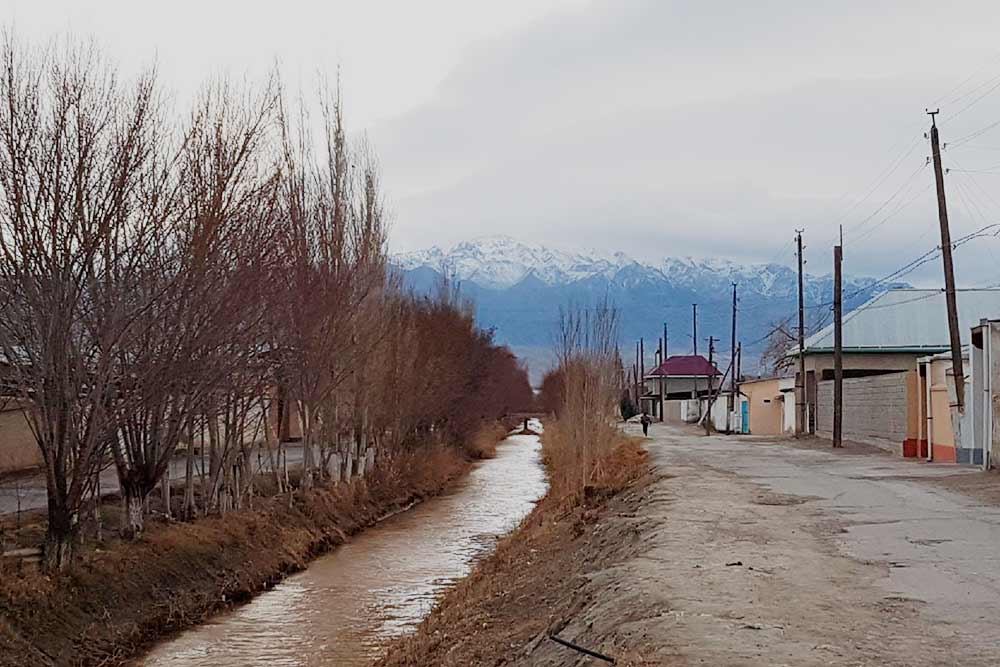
column 180, row 573
column 484, row 444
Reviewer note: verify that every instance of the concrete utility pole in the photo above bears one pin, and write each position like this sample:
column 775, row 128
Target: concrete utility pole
column 949, row 269
column 800, row 380
column 838, row 347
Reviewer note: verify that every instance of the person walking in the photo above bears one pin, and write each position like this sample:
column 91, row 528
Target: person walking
column 645, row 420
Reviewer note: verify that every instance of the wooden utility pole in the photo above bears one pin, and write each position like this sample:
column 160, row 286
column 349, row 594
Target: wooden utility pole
column 739, row 365
column 642, row 371
column 949, row 270
column 659, row 379
column 731, row 405
column 663, row 378
column 732, row 340
column 694, row 343
column 800, row 380
column 638, row 402
column 711, row 358
column 838, row 347
column 694, row 327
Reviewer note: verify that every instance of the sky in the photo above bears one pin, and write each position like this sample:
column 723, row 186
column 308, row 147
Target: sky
column 655, row 127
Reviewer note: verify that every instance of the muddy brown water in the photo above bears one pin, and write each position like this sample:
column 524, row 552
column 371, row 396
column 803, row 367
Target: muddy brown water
column 347, row 606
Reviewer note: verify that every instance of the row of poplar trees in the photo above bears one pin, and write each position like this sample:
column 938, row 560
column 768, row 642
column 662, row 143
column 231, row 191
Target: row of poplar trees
column 169, row 277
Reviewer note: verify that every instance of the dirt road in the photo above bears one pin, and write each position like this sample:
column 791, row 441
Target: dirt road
column 761, row 553
column 27, row 491
column 743, row 551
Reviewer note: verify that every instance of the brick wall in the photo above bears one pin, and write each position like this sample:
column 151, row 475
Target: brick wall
column 875, row 409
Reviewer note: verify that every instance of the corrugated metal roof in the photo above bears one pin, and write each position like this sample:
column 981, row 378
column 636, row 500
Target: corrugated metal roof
column 685, row 365
column 910, row 320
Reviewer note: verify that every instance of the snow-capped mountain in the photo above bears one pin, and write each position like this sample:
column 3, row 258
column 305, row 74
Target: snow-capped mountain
column 519, row 287
column 500, row 262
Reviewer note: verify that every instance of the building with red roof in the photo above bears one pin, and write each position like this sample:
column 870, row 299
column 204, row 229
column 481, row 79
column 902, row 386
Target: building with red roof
column 681, row 377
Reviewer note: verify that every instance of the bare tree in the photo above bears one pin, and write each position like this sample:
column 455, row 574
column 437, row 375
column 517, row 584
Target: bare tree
column 74, row 150
column 198, row 337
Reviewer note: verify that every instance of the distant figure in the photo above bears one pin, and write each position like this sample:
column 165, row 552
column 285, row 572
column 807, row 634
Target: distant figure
column 645, row 420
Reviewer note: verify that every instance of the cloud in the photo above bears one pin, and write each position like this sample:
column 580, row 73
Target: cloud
column 706, row 129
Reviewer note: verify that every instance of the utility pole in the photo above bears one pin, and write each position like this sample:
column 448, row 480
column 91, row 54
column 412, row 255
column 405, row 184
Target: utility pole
column 739, row 364
column 694, row 327
column 663, row 378
column 949, row 269
column 800, row 380
column 694, row 343
column 732, row 340
column 638, row 401
column 731, row 405
column 642, row 370
column 659, row 379
column 736, row 384
column 711, row 357
column 838, row 345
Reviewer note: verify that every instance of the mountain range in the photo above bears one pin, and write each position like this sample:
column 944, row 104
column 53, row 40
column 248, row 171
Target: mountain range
column 518, row 289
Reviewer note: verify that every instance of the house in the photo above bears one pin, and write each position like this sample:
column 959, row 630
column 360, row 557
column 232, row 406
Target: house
column 889, row 347
column 767, row 406
column 679, row 379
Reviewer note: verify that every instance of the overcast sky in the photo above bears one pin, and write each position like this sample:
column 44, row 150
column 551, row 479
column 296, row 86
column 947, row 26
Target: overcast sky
column 708, row 128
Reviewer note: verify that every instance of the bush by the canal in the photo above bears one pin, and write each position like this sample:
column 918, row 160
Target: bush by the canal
column 126, row 594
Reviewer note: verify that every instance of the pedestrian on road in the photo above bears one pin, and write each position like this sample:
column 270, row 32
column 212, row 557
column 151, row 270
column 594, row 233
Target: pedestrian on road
column 646, row 420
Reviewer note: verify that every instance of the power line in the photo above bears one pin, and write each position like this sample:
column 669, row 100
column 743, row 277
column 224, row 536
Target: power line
column 895, row 194
column 996, row 84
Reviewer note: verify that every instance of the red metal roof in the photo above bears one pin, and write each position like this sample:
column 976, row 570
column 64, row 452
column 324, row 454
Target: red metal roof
column 685, row 364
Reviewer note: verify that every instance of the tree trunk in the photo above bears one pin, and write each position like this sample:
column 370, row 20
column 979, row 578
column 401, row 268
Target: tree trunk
column 190, row 510
column 165, row 491
column 133, row 518
column 307, row 446
column 61, row 539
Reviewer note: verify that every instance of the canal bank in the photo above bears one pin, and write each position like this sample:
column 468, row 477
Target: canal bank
column 119, row 600
column 348, row 605
column 543, row 579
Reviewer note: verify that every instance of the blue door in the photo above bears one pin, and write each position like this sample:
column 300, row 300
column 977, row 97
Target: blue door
column 744, row 416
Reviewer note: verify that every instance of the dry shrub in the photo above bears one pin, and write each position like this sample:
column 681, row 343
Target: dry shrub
column 582, row 436
column 483, row 445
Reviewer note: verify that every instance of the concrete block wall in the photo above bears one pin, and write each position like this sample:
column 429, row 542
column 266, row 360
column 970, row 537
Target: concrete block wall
column 875, row 409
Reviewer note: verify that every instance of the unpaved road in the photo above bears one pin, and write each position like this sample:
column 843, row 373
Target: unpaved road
column 762, row 553
column 27, row 491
